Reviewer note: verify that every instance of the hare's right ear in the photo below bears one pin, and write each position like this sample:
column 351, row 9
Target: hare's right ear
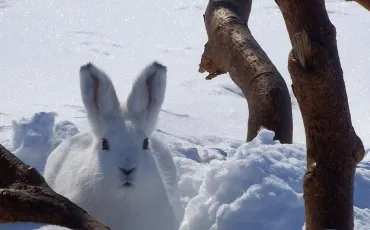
column 147, row 95
column 99, row 97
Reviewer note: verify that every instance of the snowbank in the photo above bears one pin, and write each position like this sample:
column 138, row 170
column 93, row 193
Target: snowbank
column 256, row 186
column 35, row 138
column 30, row 226
column 260, row 187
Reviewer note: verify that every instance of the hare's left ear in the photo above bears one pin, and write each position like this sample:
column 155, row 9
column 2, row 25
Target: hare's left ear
column 99, row 97
column 147, row 95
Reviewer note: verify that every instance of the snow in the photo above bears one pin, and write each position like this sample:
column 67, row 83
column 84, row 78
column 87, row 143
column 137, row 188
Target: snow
column 260, row 177
column 223, row 181
column 35, row 138
column 260, row 187
column 30, row 226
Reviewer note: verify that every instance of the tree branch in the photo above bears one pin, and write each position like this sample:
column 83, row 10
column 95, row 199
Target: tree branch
column 333, row 148
column 26, row 197
column 232, row 48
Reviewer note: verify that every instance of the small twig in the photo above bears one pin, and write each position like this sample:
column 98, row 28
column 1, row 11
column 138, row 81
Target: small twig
column 208, row 63
column 213, row 75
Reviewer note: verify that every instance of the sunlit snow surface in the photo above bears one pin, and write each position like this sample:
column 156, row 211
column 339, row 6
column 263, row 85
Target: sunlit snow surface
column 224, row 184
column 30, row 226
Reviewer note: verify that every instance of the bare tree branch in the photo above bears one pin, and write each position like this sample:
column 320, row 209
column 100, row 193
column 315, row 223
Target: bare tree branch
column 26, row 197
column 231, row 48
column 333, row 148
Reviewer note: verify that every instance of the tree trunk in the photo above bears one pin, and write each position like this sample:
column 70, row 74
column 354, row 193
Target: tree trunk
column 364, row 3
column 333, row 148
column 26, row 197
column 232, row 48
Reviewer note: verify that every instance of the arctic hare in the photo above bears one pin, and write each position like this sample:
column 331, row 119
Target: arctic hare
column 112, row 172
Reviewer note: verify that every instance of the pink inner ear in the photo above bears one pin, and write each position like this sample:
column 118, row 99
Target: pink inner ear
column 148, row 87
column 96, row 85
column 148, row 83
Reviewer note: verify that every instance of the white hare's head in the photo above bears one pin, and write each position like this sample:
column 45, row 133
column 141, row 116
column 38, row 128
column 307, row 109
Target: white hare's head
column 123, row 133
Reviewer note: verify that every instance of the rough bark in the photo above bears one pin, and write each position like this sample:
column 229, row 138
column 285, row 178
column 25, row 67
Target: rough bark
column 333, row 148
column 364, row 3
column 26, row 197
column 232, row 48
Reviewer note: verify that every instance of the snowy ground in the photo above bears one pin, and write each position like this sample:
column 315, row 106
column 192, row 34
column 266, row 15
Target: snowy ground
column 225, row 184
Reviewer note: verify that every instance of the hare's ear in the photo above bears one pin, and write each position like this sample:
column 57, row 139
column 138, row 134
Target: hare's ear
column 147, row 95
column 99, row 97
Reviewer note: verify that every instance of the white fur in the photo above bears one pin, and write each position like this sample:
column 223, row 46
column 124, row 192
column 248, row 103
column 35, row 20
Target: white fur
column 80, row 170
column 144, row 105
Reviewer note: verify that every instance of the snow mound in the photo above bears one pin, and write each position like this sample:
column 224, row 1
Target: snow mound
column 362, row 185
column 192, row 175
column 35, row 138
column 64, row 130
column 259, row 186
column 362, row 217
column 39, row 126
column 30, row 226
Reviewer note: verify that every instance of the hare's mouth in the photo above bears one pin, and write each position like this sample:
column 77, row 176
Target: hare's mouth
column 128, row 176
column 127, row 184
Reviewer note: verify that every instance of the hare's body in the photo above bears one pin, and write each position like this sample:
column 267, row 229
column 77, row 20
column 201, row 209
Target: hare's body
column 78, row 176
column 112, row 172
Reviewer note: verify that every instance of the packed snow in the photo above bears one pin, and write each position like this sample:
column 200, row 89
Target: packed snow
column 30, row 226
column 224, row 182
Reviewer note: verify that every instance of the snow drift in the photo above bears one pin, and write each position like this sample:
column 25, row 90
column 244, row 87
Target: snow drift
column 35, row 138
column 260, row 187
column 256, row 186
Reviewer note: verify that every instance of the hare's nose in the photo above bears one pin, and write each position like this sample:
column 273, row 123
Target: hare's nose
column 127, row 171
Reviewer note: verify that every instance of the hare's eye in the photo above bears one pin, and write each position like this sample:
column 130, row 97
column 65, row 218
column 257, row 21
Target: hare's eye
column 105, row 145
column 146, row 143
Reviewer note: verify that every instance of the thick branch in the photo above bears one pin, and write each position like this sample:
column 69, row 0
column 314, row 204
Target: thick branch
column 333, row 148
column 364, row 3
column 231, row 48
column 26, row 197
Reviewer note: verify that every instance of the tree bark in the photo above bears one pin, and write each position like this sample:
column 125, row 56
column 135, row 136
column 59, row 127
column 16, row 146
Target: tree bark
column 333, row 148
column 232, row 48
column 26, row 197
column 364, row 3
